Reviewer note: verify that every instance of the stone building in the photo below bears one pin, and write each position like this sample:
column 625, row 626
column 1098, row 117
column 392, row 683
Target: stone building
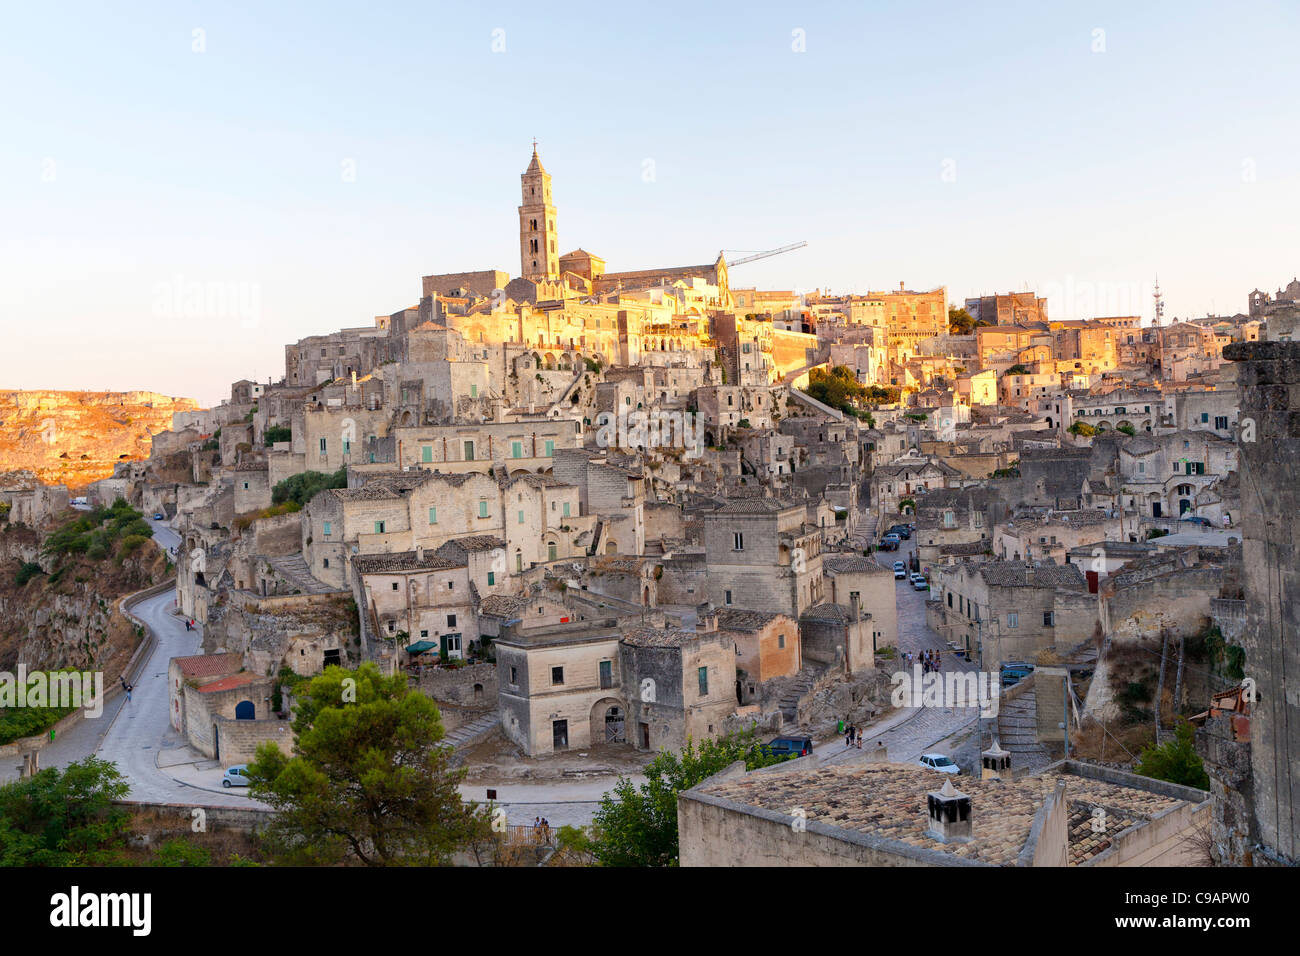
column 888, row 814
column 222, row 710
column 763, row 555
column 1009, row 610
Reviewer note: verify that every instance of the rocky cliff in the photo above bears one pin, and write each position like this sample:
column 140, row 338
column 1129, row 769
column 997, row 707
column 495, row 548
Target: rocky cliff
column 69, row 618
column 75, row 438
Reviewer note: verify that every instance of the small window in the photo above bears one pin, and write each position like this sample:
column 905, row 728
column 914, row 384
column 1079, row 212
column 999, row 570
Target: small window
column 433, row 516
column 738, row 541
column 379, row 527
column 780, row 641
column 566, row 510
column 727, row 597
column 550, row 551
column 451, row 620
column 326, row 529
column 482, row 509
column 514, row 675
column 1013, row 619
column 704, row 681
column 492, row 578
column 394, row 585
column 1049, row 619
column 521, row 517
column 557, row 675
column 550, row 448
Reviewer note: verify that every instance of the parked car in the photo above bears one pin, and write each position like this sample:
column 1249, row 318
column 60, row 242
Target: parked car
column 1197, row 519
column 159, row 516
column 1013, row 672
column 790, row 746
column 939, row 763
column 236, row 776
column 919, row 582
column 900, row 570
column 902, row 530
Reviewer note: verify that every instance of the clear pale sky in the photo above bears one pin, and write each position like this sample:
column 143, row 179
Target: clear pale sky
column 310, row 161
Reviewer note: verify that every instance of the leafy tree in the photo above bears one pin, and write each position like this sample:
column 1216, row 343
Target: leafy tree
column 1017, row 369
column 837, row 388
column 960, row 322
column 304, row 486
column 368, row 781
column 1082, row 429
column 1175, row 760
column 1126, row 428
column 278, row 433
column 64, row 817
column 637, row 826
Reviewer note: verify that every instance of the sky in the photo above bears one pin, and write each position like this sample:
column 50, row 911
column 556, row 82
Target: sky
column 187, row 187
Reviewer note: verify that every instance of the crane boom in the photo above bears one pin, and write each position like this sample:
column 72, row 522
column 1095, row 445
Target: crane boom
column 763, row 255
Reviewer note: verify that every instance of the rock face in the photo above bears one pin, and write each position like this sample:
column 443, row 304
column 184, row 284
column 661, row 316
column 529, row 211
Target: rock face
column 73, row 621
column 75, row 438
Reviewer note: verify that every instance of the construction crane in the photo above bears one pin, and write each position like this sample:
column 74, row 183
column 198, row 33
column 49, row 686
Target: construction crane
column 747, row 255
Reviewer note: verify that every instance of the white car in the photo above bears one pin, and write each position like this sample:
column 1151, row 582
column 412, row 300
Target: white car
column 938, row 762
column 236, row 776
column 900, row 570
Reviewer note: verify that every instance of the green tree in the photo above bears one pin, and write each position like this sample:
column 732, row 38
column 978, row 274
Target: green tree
column 1017, row 369
column 278, row 433
column 64, row 817
column 369, row 780
column 1175, row 760
column 960, row 321
column 304, row 486
column 637, row 826
column 1083, row 429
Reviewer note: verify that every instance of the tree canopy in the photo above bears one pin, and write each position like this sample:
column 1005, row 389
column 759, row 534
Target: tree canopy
column 301, row 488
column 64, row 817
column 369, row 780
column 637, row 826
column 1175, row 760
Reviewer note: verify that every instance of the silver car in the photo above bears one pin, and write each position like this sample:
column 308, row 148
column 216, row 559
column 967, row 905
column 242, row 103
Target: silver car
column 236, row 776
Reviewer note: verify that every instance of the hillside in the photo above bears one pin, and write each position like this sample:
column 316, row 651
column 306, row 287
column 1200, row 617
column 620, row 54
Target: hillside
column 75, row 438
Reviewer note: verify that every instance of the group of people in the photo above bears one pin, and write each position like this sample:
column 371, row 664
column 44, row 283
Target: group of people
column 853, row 737
column 929, row 661
column 542, row 827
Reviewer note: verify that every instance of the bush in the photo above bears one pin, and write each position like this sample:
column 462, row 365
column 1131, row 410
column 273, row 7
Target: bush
column 27, row 571
column 181, row 852
column 1175, row 760
column 301, row 488
column 278, row 433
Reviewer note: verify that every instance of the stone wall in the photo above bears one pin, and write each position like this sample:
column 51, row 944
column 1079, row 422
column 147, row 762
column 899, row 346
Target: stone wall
column 1268, row 379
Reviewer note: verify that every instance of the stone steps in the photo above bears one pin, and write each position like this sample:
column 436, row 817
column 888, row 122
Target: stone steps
column 1018, row 731
column 294, row 569
column 473, row 731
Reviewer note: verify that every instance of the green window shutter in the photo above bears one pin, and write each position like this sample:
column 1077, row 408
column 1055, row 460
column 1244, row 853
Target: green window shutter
column 482, row 509
column 433, row 516
column 492, row 578
column 426, row 453
column 550, row 448
column 516, row 449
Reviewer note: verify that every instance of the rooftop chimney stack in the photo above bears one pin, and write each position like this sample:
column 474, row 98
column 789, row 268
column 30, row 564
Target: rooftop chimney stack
column 950, row 818
column 995, row 763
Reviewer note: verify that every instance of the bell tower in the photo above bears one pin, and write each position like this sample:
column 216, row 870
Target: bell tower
column 539, row 253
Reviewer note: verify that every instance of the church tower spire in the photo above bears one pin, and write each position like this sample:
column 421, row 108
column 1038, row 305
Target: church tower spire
column 539, row 252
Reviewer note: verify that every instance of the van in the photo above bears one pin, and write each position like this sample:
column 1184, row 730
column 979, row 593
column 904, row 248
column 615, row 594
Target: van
column 790, row 746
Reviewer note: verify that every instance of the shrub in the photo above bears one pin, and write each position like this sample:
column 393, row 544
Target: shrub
column 1175, row 760
column 306, row 485
column 27, row 571
column 278, row 433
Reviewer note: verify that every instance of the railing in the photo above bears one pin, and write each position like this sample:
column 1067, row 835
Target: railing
column 530, row 835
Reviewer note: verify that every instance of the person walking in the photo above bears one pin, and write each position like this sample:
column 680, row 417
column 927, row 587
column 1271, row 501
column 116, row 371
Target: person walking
column 859, row 738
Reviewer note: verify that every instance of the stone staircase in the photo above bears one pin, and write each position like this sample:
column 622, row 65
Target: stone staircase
column 789, row 702
column 472, row 732
column 1018, row 732
column 294, row 569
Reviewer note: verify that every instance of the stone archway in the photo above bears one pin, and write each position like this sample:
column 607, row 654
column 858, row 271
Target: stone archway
column 609, row 721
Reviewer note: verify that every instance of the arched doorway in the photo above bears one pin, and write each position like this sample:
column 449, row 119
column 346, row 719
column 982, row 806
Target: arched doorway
column 608, row 721
column 245, row 710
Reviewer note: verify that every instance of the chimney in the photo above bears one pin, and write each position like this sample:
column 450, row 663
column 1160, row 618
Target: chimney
column 995, row 763
column 419, row 552
column 949, row 810
column 853, row 606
